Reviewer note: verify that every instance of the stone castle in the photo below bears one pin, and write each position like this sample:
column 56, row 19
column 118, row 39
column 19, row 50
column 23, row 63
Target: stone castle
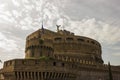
column 59, row 55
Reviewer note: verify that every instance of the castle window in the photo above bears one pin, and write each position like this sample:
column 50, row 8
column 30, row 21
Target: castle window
column 69, row 39
column 16, row 75
column 56, row 75
column 81, row 40
column 43, row 74
column 23, row 62
column 19, row 74
column 26, row 75
column 54, row 63
column 58, row 39
column 39, row 74
column 36, row 74
column 88, row 41
column 50, row 74
column 47, row 74
column 23, row 75
column 92, row 42
column 29, row 74
column 63, row 64
column 60, row 75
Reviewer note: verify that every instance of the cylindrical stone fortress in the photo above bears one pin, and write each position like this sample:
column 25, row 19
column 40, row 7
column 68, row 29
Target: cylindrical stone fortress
column 62, row 44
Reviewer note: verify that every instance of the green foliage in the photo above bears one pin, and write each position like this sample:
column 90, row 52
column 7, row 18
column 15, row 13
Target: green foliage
column 46, row 58
column 31, row 58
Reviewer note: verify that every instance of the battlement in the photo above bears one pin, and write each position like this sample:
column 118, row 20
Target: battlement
column 52, row 64
column 42, row 69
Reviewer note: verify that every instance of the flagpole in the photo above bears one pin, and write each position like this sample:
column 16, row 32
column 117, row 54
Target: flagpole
column 42, row 28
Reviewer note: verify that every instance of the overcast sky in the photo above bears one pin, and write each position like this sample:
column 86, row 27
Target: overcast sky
column 97, row 19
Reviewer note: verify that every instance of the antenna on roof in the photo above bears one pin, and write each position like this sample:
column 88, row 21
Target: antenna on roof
column 42, row 25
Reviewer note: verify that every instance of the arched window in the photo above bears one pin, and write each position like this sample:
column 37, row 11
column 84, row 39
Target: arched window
column 69, row 39
column 92, row 42
column 88, row 41
column 58, row 39
column 80, row 40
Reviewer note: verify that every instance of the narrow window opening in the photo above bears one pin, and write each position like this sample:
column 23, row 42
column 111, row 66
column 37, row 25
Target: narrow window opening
column 19, row 74
column 69, row 39
column 25, row 74
column 92, row 42
column 29, row 74
column 33, row 75
column 16, row 75
column 63, row 64
column 81, row 40
column 43, row 74
column 54, row 63
column 58, row 39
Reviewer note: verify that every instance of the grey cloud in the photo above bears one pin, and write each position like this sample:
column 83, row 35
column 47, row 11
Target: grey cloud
column 101, row 10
